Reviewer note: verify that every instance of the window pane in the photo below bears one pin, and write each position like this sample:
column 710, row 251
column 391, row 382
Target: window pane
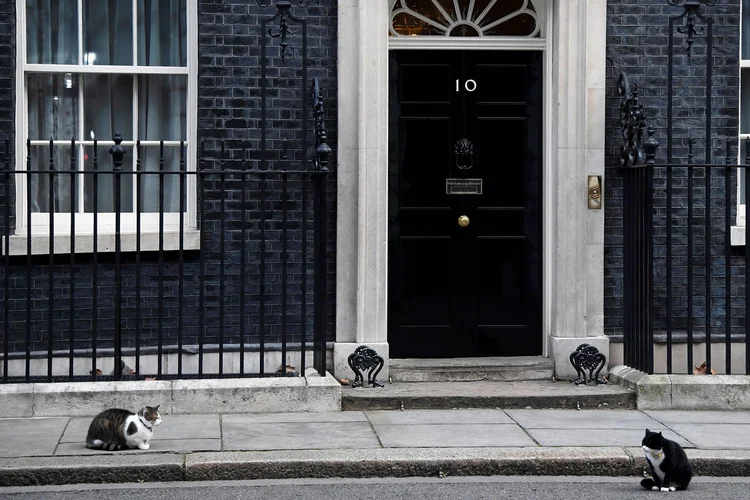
column 108, row 106
column 162, row 32
column 53, row 106
column 162, row 103
column 741, row 176
column 745, row 29
column 150, row 184
column 52, row 31
column 742, row 185
column 105, row 182
column 107, row 32
column 745, row 103
column 40, row 183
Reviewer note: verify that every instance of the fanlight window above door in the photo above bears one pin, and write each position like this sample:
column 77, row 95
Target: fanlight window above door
column 464, row 18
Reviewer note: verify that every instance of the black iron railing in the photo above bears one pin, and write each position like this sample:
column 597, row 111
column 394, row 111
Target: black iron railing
column 686, row 306
column 247, row 300
column 694, row 301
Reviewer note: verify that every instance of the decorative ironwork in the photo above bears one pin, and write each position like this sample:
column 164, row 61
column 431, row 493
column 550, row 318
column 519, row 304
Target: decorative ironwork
column 117, row 151
column 651, row 144
column 284, row 15
column 691, row 13
column 632, row 122
column 365, row 359
column 283, row 31
column 433, row 17
column 588, row 357
column 322, row 149
column 464, row 147
column 464, row 150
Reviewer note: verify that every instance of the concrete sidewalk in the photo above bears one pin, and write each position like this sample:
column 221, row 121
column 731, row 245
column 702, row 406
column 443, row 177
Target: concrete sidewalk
column 374, row 443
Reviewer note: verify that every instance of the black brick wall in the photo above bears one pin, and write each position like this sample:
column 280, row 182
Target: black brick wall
column 7, row 88
column 229, row 104
column 637, row 43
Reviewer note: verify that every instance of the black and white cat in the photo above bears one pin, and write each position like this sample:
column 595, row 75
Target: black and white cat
column 116, row 429
column 670, row 468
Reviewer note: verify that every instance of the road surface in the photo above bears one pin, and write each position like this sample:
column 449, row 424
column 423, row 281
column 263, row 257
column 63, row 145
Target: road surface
column 537, row 488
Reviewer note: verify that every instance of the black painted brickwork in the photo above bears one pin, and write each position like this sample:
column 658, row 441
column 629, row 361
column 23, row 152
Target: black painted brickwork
column 229, row 103
column 7, row 90
column 637, row 43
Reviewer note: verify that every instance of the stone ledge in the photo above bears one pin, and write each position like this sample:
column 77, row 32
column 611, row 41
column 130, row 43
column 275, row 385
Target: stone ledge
column 685, row 392
column 311, row 393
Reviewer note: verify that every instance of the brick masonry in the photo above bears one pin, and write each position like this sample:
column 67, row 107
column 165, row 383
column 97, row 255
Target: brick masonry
column 637, row 43
column 229, row 112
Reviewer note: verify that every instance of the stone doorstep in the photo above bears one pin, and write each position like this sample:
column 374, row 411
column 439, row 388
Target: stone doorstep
column 404, row 462
column 311, row 393
column 685, row 392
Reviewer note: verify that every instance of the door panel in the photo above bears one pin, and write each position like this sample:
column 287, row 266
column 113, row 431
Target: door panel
column 475, row 290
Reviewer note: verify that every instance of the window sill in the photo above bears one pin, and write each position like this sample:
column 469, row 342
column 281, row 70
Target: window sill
column 84, row 242
column 737, row 236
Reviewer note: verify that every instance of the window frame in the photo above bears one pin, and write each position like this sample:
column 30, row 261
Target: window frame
column 737, row 234
column 150, row 221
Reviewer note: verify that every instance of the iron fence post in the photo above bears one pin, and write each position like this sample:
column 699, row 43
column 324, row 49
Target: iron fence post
column 6, row 261
column 650, row 146
column 117, row 152
column 322, row 154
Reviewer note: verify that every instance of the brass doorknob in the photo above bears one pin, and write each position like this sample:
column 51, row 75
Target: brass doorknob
column 463, row 221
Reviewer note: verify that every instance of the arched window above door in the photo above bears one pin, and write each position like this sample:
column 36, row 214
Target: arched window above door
column 464, row 18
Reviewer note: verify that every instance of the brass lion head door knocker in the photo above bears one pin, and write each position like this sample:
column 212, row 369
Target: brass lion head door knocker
column 464, row 150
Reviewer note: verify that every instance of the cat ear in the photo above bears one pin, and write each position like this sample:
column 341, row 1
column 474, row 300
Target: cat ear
column 156, row 408
column 660, row 433
column 647, row 431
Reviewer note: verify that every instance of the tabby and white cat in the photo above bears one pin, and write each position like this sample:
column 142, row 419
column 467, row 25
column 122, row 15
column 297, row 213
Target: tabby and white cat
column 116, row 429
column 670, row 468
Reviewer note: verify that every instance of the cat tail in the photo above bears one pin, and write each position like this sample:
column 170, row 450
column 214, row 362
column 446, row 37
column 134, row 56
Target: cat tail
column 648, row 483
column 98, row 444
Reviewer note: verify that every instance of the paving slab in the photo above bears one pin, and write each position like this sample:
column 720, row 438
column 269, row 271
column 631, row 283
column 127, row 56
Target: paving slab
column 29, row 437
column 439, row 417
column 240, row 434
column 584, row 419
column 452, row 435
column 598, row 437
column 172, row 427
column 700, row 417
column 716, row 436
column 339, row 416
column 157, row 445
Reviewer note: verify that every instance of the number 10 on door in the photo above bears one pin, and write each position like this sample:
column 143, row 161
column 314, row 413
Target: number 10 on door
column 469, row 85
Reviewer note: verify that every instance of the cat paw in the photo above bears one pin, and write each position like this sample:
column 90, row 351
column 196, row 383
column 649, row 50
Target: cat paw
column 144, row 446
column 663, row 488
column 672, row 488
column 654, row 488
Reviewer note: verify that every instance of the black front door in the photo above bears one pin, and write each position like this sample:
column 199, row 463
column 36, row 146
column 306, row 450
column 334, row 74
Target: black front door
column 465, row 210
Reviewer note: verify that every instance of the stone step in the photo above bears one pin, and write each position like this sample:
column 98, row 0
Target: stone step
column 534, row 394
column 471, row 369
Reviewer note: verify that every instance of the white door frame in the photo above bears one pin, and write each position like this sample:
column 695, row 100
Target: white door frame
column 574, row 45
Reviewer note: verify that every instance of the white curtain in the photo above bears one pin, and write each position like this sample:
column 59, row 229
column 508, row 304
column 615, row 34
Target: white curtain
column 162, row 98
